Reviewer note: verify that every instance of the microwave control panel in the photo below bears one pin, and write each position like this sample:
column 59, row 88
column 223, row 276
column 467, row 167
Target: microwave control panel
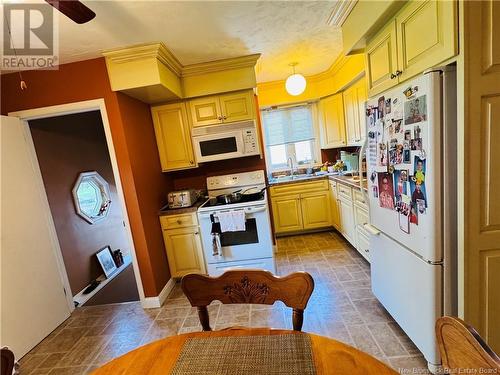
column 250, row 140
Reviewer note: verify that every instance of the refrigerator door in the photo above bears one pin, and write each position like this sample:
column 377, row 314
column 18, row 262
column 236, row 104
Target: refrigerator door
column 404, row 165
column 410, row 289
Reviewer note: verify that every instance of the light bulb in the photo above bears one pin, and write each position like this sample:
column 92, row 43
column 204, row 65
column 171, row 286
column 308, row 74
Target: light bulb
column 295, row 84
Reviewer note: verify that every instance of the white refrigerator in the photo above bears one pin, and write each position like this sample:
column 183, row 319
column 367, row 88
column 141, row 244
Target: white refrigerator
column 411, row 170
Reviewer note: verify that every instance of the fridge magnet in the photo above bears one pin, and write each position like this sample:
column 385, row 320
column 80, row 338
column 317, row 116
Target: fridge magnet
column 420, row 206
column 410, row 91
column 381, row 107
column 391, row 129
column 386, row 193
column 373, row 177
column 390, row 169
column 375, row 191
column 419, row 170
column 417, row 192
column 416, row 132
column 395, row 101
column 413, row 214
column 416, row 144
column 397, row 125
column 416, row 110
column 388, row 105
column 400, row 183
column 404, row 222
column 382, row 154
column 406, row 156
column 408, row 135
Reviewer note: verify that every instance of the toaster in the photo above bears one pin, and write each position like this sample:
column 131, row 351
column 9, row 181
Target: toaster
column 182, row 198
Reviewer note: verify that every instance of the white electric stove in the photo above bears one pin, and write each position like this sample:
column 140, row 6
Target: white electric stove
column 251, row 248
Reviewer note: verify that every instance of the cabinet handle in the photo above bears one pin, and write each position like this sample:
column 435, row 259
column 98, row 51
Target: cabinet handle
column 398, row 73
column 196, row 233
column 219, row 118
column 179, row 222
column 224, row 117
column 393, row 76
column 191, row 162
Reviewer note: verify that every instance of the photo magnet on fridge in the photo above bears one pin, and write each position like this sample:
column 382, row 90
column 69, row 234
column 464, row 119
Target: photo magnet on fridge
column 400, row 184
column 375, row 191
column 416, row 144
column 417, row 192
column 388, row 105
column 419, row 170
column 397, row 125
column 386, row 190
column 416, row 110
column 406, row 156
column 413, row 214
column 382, row 155
column 381, row 107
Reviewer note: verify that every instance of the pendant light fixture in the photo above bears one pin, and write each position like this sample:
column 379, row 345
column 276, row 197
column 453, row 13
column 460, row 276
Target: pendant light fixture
column 296, row 83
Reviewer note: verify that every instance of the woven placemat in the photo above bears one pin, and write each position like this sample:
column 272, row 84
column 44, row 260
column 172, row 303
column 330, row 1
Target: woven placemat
column 241, row 355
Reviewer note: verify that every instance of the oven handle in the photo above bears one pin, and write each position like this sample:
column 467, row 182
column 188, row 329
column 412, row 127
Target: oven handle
column 247, row 210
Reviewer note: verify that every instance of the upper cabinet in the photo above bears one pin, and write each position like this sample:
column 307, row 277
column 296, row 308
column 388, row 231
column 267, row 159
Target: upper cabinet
column 332, row 125
column 173, row 136
column 354, row 107
column 422, row 35
column 217, row 109
column 381, row 60
column 426, row 33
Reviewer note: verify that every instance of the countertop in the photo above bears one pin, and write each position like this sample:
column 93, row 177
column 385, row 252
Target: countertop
column 331, row 176
column 165, row 211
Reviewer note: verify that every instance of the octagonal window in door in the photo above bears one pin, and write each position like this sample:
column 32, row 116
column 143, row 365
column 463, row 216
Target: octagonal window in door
column 91, row 196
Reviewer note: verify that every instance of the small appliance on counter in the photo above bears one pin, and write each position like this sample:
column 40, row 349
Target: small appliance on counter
column 351, row 161
column 182, row 198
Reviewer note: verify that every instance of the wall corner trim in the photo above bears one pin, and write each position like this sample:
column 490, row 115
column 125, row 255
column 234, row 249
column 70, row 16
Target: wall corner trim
column 155, row 302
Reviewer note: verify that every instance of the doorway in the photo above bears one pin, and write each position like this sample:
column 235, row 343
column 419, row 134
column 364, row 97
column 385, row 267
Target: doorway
column 68, row 147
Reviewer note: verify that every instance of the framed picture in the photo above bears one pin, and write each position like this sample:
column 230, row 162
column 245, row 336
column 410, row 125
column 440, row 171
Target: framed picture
column 105, row 258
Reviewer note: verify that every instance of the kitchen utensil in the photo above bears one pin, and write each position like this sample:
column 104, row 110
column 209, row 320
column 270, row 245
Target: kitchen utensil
column 252, row 194
column 233, row 197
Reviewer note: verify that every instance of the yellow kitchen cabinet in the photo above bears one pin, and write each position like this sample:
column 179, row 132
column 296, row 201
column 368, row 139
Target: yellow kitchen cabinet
column 217, row 109
column 420, row 36
column 334, row 206
column 239, row 106
column 382, row 60
column 184, row 251
column 354, row 107
column 173, row 136
column 287, row 214
column 315, row 209
column 205, row 111
column 426, row 35
column 347, row 220
column 332, row 125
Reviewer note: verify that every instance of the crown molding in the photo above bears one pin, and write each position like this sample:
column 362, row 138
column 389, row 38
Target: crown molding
column 340, row 12
column 144, row 51
column 247, row 61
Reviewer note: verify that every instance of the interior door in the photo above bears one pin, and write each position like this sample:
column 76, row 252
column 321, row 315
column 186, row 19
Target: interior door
column 33, row 299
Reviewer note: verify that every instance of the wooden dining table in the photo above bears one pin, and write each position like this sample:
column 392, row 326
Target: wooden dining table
column 161, row 357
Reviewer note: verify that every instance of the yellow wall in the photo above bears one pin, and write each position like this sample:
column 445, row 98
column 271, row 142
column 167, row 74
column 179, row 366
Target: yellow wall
column 342, row 72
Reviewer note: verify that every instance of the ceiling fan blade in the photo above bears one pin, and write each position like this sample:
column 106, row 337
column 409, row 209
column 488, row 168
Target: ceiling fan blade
column 73, row 9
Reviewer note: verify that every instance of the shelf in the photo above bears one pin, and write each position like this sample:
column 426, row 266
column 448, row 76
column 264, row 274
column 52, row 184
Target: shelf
column 81, row 298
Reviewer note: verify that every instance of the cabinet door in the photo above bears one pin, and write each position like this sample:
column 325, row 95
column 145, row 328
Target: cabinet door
column 287, row 214
column 173, row 136
column 315, row 209
column 351, row 115
column 334, row 206
column 381, row 60
column 361, row 97
column 237, row 106
column 363, row 245
column 205, row 111
column 184, row 251
column 347, row 221
column 426, row 34
column 332, row 126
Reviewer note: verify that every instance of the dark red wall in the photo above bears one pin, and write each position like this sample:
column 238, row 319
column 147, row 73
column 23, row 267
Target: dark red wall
column 133, row 139
column 65, row 147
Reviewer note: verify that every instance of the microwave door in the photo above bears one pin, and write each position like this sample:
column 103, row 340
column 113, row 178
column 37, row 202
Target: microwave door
column 220, row 146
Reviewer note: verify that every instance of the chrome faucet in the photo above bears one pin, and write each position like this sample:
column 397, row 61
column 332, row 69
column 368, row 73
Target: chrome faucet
column 289, row 163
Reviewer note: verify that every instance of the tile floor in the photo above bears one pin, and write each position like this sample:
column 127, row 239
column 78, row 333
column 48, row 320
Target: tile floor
column 341, row 307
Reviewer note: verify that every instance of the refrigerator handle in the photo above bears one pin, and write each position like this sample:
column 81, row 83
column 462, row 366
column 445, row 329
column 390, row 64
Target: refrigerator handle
column 360, row 167
column 371, row 229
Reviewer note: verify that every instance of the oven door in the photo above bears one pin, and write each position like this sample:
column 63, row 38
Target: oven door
column 219, row 146
column 253, row 243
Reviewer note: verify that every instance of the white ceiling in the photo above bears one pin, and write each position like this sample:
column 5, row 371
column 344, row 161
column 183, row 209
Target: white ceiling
column 199, row 31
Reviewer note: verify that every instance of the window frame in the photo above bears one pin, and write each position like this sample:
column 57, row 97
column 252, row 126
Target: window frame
column 316, row 147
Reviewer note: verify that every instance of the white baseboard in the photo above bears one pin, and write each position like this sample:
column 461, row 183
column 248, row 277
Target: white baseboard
column 155, row 302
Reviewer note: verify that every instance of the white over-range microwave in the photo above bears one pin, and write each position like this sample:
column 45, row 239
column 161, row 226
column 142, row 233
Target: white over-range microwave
column 225, row 141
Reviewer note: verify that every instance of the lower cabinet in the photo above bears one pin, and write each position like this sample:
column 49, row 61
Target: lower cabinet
column 300, row 206
column 334, row 205
column 287, row 214
column 347, row 226
column 183, row 247
column 362, row 236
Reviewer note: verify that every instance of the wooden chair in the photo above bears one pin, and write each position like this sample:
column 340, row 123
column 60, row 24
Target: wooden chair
column 461, row 347
column 7, row 361
column 249, row 286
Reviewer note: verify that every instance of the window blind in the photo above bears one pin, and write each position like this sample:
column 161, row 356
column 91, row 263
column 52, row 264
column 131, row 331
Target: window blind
column 288, row 125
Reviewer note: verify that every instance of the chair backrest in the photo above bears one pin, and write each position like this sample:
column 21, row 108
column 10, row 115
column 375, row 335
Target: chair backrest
column 7, row 361
column 249, row 286
column 461, row 347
